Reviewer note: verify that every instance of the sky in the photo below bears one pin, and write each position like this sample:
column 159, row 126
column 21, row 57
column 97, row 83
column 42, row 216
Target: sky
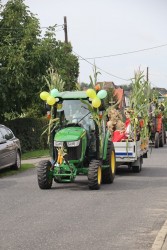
column 108, row 28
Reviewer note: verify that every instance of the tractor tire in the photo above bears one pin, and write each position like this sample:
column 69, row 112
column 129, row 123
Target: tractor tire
column 43, row 169
column 94, row 174
column 138, row 168
column 108, row 174
column 164, row 136
column 156, row 140
column 161, row 141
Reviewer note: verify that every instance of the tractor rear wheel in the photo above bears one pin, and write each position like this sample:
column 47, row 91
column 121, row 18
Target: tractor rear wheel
column 162, row 137
column 108, row 174
column 44, row 179
column 156, row 140
column 94, row 174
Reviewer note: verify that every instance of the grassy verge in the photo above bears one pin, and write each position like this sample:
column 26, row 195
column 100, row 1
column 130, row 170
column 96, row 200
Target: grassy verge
column 7, row 171
column 35, row 154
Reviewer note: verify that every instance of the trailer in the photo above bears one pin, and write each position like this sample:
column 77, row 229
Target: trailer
column 131, row 153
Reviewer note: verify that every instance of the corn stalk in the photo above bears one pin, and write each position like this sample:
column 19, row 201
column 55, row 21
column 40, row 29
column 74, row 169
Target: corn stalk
column 139, row 104
column 53, row 80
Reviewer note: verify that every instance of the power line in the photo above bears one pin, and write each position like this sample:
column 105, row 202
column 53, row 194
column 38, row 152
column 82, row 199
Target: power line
column 126, row 53
column 61, row 25
column 101, row 69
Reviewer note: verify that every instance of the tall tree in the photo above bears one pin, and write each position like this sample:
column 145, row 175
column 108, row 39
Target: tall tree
column 25, row 58
column 59, row 55
column 19, row 37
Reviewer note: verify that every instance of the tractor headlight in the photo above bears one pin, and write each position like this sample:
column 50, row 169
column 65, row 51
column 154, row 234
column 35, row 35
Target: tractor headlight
column 58, row 144
column 73, row 143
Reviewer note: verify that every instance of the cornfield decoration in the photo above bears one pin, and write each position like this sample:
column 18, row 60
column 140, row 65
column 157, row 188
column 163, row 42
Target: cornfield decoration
column 139, row 107
column 53, row 81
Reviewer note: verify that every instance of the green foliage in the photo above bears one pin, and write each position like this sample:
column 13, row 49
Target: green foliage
column 127, row 87
column 25, row 58
column 35, row 154
column 59, row 55
column 140, row 103
column 29, row 131
column 19, row 30
column 53, row 80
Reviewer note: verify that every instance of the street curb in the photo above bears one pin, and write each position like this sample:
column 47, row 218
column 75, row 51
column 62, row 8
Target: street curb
column 160, row 238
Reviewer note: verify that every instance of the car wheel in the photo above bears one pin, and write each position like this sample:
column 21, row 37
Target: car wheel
column 17, row 164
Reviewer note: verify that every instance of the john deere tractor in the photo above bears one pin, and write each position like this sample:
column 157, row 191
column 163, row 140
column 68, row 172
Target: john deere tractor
column 79, row 145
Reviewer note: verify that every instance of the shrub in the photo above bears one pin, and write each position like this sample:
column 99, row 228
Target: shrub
column 29, row 131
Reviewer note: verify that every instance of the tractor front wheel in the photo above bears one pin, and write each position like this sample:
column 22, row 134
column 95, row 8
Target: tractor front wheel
column 94, row 175
column 108, row 174
column 43, row 174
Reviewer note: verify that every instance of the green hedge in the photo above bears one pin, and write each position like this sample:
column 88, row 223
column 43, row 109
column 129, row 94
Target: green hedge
column 29, row 131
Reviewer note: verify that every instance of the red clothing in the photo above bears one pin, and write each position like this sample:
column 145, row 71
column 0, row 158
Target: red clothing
column 118, row 135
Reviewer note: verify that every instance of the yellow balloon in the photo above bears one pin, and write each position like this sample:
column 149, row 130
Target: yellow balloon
column 51, row 100
column 91, row 93
column 44, row 95
column 96, row 102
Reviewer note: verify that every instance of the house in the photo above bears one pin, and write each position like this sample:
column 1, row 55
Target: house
column 118, row 92
column 161, row 91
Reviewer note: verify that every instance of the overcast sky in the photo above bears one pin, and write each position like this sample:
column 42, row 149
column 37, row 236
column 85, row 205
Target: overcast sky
column 100, row 28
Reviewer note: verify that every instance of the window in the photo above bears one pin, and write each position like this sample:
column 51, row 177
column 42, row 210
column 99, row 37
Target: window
column 6, row 133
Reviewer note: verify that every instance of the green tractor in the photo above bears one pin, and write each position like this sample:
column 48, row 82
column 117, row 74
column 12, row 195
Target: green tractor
column 78, row 144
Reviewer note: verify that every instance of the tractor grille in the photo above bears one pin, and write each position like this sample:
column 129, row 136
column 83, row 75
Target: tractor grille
column 74, row 153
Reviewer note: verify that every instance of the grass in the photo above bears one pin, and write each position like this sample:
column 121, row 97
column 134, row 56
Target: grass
column 25, row 156
column 7, row 171
column 35, row 154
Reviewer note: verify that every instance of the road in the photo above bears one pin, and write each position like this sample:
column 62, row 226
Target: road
column 126, row 215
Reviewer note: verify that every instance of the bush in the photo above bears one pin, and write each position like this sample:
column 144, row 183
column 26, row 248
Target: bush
column 29, row 131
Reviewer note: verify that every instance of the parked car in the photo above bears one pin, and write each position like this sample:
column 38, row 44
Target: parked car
column 10, row 149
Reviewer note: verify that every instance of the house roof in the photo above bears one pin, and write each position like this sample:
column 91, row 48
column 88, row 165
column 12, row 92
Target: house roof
column 162, row 91
column 107, row 85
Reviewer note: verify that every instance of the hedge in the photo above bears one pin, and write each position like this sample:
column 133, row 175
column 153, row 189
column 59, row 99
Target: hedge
column 29, row 131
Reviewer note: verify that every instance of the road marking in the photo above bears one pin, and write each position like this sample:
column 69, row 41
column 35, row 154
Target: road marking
column 160, row 239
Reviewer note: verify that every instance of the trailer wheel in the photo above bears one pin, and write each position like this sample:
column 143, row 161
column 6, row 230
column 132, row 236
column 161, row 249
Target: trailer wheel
column 108, row 174
column 43, row 174
column 137, row 168
column 94, row 174
column 156, row 140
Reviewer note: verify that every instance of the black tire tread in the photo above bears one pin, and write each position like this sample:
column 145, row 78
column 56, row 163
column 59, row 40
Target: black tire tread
column 156, row 140
column 42, row 174
column 107, row 176
column 93, row 174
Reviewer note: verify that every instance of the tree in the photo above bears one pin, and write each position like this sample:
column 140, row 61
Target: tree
column 60, row 56
column 19, row 37
column 25, row 58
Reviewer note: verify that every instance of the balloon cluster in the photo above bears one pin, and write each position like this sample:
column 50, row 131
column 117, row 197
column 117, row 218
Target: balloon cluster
column 96, row 98
column 50, row 98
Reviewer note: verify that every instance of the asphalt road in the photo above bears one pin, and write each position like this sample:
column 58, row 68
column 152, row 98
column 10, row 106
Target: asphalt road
column 126, row 215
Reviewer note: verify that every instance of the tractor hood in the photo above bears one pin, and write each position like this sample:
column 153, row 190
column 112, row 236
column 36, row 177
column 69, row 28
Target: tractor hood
column 70, row 134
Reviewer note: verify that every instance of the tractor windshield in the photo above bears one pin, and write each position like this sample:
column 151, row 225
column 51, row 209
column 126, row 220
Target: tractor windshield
column 76, row 112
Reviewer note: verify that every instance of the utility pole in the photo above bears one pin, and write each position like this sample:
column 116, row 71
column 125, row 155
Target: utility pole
column 65, row 29
column 147, row 75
